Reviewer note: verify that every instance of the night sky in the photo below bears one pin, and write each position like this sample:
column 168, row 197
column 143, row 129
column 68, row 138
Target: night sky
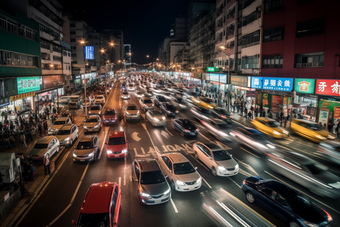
column 144, row 23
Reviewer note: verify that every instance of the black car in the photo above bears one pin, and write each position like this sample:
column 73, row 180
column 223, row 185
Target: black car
column 285, row 202
column 221, row 114
column 159, row 99
column 168, row 109
column 200, row 113
column 185, row 127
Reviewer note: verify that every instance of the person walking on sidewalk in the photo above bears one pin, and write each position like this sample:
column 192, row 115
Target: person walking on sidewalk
column 250, row 115
column 23, row 139
column 337, row 130
column 46, row 162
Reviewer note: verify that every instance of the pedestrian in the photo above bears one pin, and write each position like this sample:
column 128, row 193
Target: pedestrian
column 245, row 112
column 32, row 172
column 263, row 113
column 330, row 126
column 270, row 115
column 250, row 115
column 46, row 162
column 39, row 128
column 337, row 130
column 23, row 140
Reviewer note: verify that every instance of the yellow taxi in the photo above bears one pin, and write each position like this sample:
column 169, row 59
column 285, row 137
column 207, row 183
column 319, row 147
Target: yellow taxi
column 310, row 130
column 203, row 102
column 269, row 127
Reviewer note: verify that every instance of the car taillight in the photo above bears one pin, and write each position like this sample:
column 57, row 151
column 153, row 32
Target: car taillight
column 329, row 217
column 197, row 130
column 223, row 116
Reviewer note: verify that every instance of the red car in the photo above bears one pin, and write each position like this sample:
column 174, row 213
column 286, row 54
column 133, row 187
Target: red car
column 101, row 205
column 110, row 116
column 118, row 146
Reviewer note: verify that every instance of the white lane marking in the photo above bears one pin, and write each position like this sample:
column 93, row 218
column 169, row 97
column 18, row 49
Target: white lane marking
column 225, row 147
column 124, row 172
column 168, row 131
column 250, row 152
column 173, row 205
column 165, row 134
column 205, row 137
column 235, row 182
column 73, row 197
column 302, row 192
column 249, row 167
column 101, row 150
column 119, row 181
column 135, row 136
column 146, row 129
column 206, row 182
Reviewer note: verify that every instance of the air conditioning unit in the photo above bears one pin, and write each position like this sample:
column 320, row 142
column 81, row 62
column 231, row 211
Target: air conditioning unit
column 298, row 65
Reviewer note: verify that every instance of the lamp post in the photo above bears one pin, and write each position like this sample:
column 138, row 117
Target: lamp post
column 228, row 76
column 82, row 42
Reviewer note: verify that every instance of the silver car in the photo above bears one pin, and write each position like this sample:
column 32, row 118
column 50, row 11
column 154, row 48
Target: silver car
column 216, row 158
column 44, row 147
column 306, row 172
column 182, row 174
column 67, row 135
column 217, row 128
column 95, row 109
column 125, row 95
column 99, row 99
column 146, row 103
column 131, row 112
column 330, row 150
column 92, row 124
column 87, row 149
column 151, row 184
column 53, row 129
column 155, row 118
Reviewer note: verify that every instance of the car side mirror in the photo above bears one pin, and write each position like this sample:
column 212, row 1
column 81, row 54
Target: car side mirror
column 196, row 168
column 231, row 155
column 73, row 222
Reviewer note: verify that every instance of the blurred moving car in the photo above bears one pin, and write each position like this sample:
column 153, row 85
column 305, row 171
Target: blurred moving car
column 125, row 95
column 146, row 103
column 200, row 113
column 284, row 202
column 100, row 206
column 168, row 109
column 95, row 109
column 159, row 99
column 131, row 87
column 269, row 127
column 185, row 127
column 179, row 104
column 218, row 128
column 155, row 118
column 131, row 112
column 253, row 139
column 110, row 116
column 53, row 129
column 310, row 130
column 87, row 149
column 218, row 160
column 221, row 114
column 139, row 94
column 306, row 172
column 88, row 102
column 203, row 102
column 73, row 105
column 67, row 135
column 92, row 123
column 117, row 146
column 182, row 174
column 44, row 147
column 151, row 185
column 99, row 99
column 330, row 150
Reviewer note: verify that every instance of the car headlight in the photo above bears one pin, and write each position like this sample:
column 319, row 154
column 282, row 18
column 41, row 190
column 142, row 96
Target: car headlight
column 310, row 224
column 89, row 112
column 152, row 105
column 178, row 182
column 67, row 139
column 155, row 119
column 126, row 112
column 199, row 180
column 331, row 137
column 237, row 166
column 146, row 195
column 167, row 191
column 270, row 146
column 99, row 112
column 85, row 126
column 97, row 126
column 109, row 151
column 163, row 118
column 276, row 132
column 49, row 129
column 320, row 137
column 124, row 151
column 285, row 132
column 176, row 111
column 74, row 155
column 138, row 112
column 91, row 154
column 221, row 168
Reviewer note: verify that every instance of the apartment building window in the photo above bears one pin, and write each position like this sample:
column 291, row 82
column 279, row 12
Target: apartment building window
column 230, row 30
column 73, row 47
column 57, row 49
column 64, row 53
column 45, row 66
column 231, row 13
column 73, row 40
column 45, row 56
column 44, row 44
column 56, row 58
column 311, row 27
column 245, row 3
column 309, row 60
column 17, row 59
column 73, row 55
column 13, row 27
column 69, row 54
column 256, row 14
column 46, row 11
column 72, row 25
column 272, row 62
column 72, row 32
column 272, row 34
column 251, row 39
column 250, row 62
column 271, row 6
column 230, row 45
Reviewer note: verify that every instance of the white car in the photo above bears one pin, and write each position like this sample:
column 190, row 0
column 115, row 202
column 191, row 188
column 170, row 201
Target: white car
column 67, row 135
column 146, row 103
column 44, row 147
column 53, row 129
column 218, row 160
column 155, row 118
column 125, row 95
column 92, row 123
column 182, row 174
column 131, row 112
column 95, row 109
column 99, row 99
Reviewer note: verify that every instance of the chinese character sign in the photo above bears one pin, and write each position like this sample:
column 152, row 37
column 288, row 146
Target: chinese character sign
column 89, row 52
column 278, row 84
column 304, row 85
column 327, row 87
column 256, row 82
column 28, row 84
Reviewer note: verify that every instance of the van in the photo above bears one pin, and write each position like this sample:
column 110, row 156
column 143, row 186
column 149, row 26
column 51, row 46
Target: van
column 75, row 101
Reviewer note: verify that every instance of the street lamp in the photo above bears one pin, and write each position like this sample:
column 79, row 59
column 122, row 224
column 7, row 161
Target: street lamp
column 228, row 76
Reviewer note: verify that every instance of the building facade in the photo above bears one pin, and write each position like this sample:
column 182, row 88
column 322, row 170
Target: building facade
column 95, row 39
column 115, row 54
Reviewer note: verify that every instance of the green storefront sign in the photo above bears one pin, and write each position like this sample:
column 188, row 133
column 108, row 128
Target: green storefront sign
column 28, row 84
column 306, row 86
column 210, row 69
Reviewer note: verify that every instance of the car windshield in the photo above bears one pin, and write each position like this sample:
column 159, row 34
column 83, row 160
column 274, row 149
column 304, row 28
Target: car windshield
column 116, row 141
column 63, row 132
column 315, row 168
column 59, row 123
column 74, row 99
column 91, row 120
column 95, row 108
column 152, row 177
column 183, row 168
column 221, row 155
column 72, row 103
column 156, row 113
column 110, row 112
column 170, row 107
column 161, row 99
column 40, row 145
column 131, row 108
column 147, row 101
column 94, row 220
column 188, row 125
column 273, row 124
column 315, row 127
column 299, row 203
column 125, row 93
column 85, row 145
column 222, row 125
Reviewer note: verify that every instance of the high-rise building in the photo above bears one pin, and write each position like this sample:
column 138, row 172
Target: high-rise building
column 114, row 36
column 128, row 54
column 95, row 39
column 178, row 31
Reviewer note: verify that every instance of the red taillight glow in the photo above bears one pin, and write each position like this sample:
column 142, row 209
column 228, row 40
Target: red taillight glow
column 223, row 116
column 197, row 130
column 329, row 217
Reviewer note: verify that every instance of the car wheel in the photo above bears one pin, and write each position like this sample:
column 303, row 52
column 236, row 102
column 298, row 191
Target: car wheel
column 213, row 170
column 293, row 224
column 173, row 186
column 196, row 156
column 250, row 197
